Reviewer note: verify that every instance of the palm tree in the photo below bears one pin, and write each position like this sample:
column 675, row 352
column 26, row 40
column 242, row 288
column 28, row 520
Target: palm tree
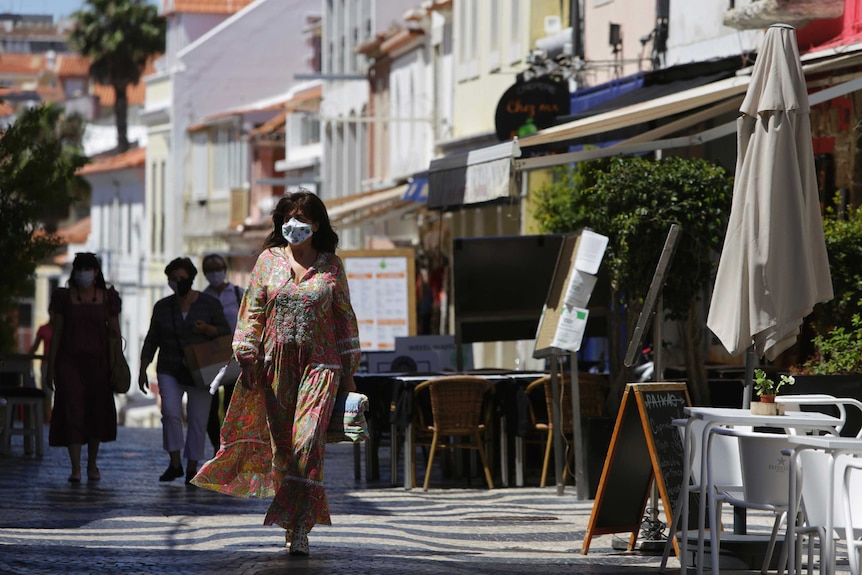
column 119, row 36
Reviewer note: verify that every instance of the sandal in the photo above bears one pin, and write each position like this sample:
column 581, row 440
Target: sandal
column 299, row 541
column 93, row 474
column 74, row 479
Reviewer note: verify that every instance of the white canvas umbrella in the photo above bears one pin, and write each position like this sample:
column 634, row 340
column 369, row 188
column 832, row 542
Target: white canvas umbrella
column 773, row 266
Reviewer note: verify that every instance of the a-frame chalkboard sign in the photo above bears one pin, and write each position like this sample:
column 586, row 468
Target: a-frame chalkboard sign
column 645, row 444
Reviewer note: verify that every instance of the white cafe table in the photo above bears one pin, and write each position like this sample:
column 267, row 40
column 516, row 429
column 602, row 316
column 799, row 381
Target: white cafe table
column 834, row 446
column 722, row 416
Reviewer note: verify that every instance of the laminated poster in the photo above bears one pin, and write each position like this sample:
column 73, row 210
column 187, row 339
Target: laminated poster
column 570, row 328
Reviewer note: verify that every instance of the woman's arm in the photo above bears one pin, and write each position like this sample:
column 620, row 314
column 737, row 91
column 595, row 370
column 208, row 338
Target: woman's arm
column 346, row 328
column 152, row 342
column 251, row 319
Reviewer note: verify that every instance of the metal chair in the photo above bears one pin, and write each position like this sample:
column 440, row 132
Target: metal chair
column 458, row 410
column 592, row 390
column 29, row 401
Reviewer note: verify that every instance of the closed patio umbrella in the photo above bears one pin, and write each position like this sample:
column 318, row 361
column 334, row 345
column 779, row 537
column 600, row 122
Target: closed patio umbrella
column 773, row 266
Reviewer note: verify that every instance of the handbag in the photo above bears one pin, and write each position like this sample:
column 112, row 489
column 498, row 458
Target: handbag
column 205, row 359
column 348, row 422
column 118, row 367
column 119, row 373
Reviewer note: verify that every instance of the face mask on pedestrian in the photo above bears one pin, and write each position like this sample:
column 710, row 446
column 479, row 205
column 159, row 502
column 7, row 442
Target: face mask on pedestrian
column 216, row 279
column 84, row 278
column 181, row 287
column 296, row 232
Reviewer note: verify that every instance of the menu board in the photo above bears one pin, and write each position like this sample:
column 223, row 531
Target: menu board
column 382, row 291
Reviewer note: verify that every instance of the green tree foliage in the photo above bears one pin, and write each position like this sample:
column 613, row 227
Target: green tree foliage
column 37, row 184
column 843, row 234
column 634, row 201
column 119, row 36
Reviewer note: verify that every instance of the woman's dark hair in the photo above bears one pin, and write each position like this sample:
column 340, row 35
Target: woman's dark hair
column 88, row 261
column 182, row 264
column 302, row 203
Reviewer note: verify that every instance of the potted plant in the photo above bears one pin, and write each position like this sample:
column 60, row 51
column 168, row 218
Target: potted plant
column 766, row 390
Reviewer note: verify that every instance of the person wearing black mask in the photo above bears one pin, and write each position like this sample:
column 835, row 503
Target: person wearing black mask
column 179, row 320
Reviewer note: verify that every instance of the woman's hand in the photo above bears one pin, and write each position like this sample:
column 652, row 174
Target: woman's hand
column 143, row 382
column 203, row 327
column 248, row 376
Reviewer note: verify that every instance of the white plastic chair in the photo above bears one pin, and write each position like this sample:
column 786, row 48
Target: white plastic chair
column 728, row 476
column 851, row 496
column 839, row 404
column 813, row 477
column 765, row 479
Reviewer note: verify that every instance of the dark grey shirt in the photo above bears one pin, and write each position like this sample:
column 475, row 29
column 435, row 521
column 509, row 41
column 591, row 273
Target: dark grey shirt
column 169, row 332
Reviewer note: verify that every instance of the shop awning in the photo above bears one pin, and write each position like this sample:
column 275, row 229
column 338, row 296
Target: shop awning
column 677, row 103
column 639, row 147
column 352, row 209
column 478, row 176
column 417, row 191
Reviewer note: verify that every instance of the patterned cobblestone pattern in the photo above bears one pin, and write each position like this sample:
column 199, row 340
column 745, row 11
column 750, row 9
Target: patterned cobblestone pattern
column 129, row 523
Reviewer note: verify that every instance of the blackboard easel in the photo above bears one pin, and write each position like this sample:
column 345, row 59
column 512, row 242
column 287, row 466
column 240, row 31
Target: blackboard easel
column 645, row 444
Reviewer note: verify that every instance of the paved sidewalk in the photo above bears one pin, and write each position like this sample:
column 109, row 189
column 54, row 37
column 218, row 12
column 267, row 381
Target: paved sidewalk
column 129, row 523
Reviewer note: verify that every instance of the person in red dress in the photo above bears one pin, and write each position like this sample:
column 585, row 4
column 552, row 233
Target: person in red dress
column 43, row 338
column 84, row 409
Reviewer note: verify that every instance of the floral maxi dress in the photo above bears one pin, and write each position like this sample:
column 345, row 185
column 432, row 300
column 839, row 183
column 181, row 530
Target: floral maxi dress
column 302, row 336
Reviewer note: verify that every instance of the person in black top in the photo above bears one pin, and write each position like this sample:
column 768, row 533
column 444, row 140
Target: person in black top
column 185, row 318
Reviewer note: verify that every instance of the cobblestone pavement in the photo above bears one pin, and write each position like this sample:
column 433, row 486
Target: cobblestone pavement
column 128, row 523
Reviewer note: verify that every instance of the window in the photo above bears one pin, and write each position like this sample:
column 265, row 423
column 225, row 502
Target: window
column 494, row 36
column 162, row 208
column 221, row 160
column 154, row 210
column 468, row 39
column 515, row 32
column 200, row 166
column 309, row 129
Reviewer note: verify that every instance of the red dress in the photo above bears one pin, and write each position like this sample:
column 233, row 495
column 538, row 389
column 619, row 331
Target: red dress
column 84, row 407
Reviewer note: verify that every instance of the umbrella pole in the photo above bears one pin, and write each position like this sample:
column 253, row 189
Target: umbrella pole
column 749, row 377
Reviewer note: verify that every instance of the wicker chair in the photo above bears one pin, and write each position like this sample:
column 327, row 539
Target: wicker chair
column 592, row 390
column 457, row 403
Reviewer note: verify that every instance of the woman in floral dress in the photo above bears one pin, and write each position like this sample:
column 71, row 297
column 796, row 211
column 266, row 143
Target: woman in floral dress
column 297, row 341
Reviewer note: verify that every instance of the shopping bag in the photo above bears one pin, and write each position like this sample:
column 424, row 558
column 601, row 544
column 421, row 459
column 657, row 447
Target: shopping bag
column 205, row 359
column 348, row 422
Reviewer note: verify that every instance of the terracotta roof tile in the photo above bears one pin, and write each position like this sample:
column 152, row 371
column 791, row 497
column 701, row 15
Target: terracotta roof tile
column 204, row 6
column 73, row 66
column 6, row 110
column 133, row 158
column 76, row 233
column 21, row 63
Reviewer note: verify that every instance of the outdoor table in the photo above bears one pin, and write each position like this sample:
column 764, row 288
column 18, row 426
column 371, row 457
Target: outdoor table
column 834, row 446
column 399, row 388
column 721, row 416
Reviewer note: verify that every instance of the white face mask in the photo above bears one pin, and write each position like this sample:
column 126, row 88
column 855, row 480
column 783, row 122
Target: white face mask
column 84, row 278
column 215, row 279
column 296, row 232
